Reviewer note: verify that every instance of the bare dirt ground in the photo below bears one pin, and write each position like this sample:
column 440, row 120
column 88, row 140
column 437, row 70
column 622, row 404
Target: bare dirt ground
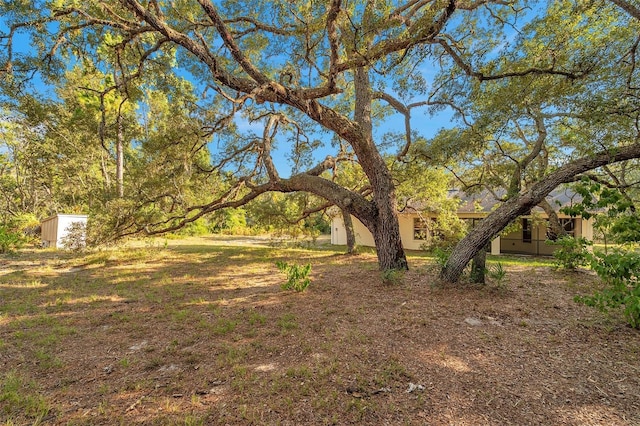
column 202, row 333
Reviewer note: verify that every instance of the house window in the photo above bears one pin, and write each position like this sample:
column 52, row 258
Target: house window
column 569, row 226
column 420, row 229
column 435, row 230
column 526, row 230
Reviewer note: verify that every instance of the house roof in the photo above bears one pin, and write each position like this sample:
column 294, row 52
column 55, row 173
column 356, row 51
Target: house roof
column 485, row 201
column 76, row 216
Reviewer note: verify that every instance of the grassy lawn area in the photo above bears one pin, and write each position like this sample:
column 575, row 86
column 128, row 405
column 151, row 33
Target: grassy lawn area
column 200, row 332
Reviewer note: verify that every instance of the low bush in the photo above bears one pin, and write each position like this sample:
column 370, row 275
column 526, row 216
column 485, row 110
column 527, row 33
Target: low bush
column 10, row 240
column 497, row 272
column 75, row 238
column 620, row 270
column 572, row 253
column 297, row 276
column 392, row 276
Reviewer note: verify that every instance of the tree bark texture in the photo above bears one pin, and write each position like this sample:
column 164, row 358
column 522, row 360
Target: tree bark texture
column 384, row 226
column 493, row 224
column 120, row 156
column 555, row 229
column 348, row 226
column 479, row 266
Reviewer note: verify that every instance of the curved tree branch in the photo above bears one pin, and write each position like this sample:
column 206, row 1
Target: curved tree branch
column 468, row 69
column 627, row 7
column 493, row 224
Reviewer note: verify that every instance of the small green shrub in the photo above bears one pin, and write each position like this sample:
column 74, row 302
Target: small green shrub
column 441, row 256
column 496, row 272
column 572, row 253
column 194, row 229
column 297, row 276
column 75, row 238
column 620, row 270
column 27, row 226
column 10, row 240
column 392, row 276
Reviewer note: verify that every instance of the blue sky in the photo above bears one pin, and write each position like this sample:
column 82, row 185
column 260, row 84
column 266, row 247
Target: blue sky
column 422, row 121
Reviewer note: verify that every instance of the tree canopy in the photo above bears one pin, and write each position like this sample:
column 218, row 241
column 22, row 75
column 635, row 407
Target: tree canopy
column 201, row 98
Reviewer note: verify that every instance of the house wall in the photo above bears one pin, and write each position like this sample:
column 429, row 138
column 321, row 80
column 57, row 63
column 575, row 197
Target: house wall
column 586, row 228
column 365, row 238
column 406, row 232
column 513, row 242
column 54, row 228
column 339, row 233
column 49, row 231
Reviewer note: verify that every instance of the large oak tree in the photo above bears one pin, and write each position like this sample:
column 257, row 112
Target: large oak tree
column 532, row 135
column 305, row 69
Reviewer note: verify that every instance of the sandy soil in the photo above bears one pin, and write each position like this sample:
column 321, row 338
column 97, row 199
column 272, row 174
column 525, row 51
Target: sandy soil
column 202, row 333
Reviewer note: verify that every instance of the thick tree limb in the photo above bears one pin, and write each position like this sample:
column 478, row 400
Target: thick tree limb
column 352, row 202
column 627, row 7
column 468, row 69
column 229, row 42
column 493, row 224
column 420, row 33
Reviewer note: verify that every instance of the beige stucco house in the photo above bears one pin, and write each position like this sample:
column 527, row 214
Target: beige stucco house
column 528, row 237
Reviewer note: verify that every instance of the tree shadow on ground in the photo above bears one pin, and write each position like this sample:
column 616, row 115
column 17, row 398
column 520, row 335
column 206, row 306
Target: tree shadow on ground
column 206, row 335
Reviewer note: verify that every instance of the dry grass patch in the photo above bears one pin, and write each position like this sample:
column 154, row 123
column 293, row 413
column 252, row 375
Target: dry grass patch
column 202, row 333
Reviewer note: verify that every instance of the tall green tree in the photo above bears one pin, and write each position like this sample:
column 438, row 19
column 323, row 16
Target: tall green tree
column 33, row 165
column 302, row 69
column 521, row 138
column 286, row 62
column 61, row 155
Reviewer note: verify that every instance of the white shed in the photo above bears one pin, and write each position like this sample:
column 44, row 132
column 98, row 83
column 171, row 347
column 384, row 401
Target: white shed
column 56, row 227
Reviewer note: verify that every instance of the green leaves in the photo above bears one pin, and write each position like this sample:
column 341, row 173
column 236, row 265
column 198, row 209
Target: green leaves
column 614, row 211
column 573, row 252
column 10, row 239
column 620, row 270
column 297, row 276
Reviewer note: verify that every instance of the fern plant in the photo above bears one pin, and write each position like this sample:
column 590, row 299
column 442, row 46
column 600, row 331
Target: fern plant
column 10, row 240
column 496, row 272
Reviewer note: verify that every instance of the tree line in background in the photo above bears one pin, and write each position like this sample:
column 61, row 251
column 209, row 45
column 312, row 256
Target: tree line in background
column 167, row 113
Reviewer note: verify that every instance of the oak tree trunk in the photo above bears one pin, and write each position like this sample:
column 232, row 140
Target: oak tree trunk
column 479, row 266
column 384, row 226
column 348, row 226
column 386, row 235
column 555, row 229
